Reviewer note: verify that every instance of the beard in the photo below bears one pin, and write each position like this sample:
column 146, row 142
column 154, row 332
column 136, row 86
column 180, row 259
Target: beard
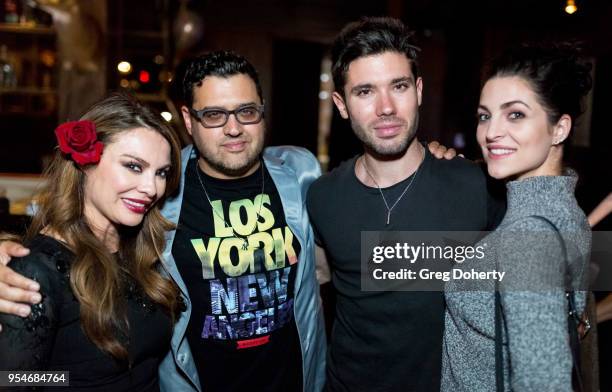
column 384, row 150
column 233, row 169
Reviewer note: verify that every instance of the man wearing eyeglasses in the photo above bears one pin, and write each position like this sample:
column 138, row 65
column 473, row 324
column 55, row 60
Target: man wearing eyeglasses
column 243, row 249
column 242, row 252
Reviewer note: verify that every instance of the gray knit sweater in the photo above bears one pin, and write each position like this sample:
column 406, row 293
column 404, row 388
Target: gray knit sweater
column 537, row 356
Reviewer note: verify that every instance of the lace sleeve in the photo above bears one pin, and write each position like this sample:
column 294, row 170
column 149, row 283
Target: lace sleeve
column 26, row 343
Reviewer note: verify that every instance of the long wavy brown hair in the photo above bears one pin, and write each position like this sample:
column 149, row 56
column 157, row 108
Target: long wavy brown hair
column 95, row 274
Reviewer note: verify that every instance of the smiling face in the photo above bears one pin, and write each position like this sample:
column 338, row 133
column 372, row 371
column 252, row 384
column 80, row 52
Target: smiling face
column 382, row 99
column 128, row 180
column 514, row 132
column 232, row 150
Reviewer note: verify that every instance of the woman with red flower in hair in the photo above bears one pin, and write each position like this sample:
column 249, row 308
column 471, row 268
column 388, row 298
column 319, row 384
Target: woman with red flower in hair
column 107, row 312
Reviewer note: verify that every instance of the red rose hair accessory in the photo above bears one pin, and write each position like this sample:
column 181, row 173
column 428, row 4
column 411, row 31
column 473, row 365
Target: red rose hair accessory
column 79, row 140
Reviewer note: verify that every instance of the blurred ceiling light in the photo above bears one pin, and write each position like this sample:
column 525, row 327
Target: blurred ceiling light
column 188, row 27
column 124, row 67
column 570, row 7
column 47, row 57
column 324, row 77
column 323, row 95
column 124, row 83
column 167, row 116
column 144, row 77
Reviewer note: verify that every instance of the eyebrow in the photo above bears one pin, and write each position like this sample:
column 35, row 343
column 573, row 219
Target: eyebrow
column 140, row 160
column 240, row 106
column 145, row 163
column 403, row 79
column 507, row 104
column 504, row 105
column 361, row 86
column 393, row 81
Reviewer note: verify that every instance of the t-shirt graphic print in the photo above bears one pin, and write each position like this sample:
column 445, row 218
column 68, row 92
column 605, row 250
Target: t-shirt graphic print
column 238, row 258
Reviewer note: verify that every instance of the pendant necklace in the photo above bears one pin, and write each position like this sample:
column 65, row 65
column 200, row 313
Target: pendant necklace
column 245, row 240
column 389, row 209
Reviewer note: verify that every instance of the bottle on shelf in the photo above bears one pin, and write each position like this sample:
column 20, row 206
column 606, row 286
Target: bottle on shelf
column 8, row 78
column 4, row 202
column 11, row 12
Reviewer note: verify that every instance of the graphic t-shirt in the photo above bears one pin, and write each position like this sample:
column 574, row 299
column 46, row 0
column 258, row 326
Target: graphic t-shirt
column 239, row 263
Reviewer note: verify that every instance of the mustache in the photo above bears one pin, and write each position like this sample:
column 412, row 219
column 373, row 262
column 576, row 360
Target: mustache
column 391, row 120
column 234, row 139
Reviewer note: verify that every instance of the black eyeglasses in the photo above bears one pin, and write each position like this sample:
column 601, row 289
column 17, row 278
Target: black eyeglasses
column 217, row 117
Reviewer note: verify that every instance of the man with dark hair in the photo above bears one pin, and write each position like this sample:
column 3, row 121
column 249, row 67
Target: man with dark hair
column 221, row 64
column 242, row 252
column 385, row 34
column 386, row 340
column 243, row 247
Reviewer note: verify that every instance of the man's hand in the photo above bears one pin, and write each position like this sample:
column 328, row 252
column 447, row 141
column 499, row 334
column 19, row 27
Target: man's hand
column 16, row 291
column 10, row 249
column 440, row 151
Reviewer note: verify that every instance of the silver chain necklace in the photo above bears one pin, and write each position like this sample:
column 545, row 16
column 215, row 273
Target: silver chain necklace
column 245, row 240
column 389, row 209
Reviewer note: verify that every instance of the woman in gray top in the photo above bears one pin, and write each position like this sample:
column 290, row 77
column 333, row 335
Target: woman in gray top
column 528, row 107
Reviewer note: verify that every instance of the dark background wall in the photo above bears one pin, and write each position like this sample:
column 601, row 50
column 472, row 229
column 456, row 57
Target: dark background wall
column 287, row 40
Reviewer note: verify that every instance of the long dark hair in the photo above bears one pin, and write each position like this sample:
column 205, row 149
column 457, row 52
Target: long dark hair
column 95, row 272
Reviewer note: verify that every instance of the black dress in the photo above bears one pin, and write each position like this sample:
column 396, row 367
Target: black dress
column 51, row 338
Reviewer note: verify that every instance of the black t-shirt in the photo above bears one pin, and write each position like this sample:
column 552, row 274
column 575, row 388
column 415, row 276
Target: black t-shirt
column 390, row 341
column 239, row 264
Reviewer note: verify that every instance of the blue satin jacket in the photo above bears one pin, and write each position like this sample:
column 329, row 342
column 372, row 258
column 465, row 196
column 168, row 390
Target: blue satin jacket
column 293, row 169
